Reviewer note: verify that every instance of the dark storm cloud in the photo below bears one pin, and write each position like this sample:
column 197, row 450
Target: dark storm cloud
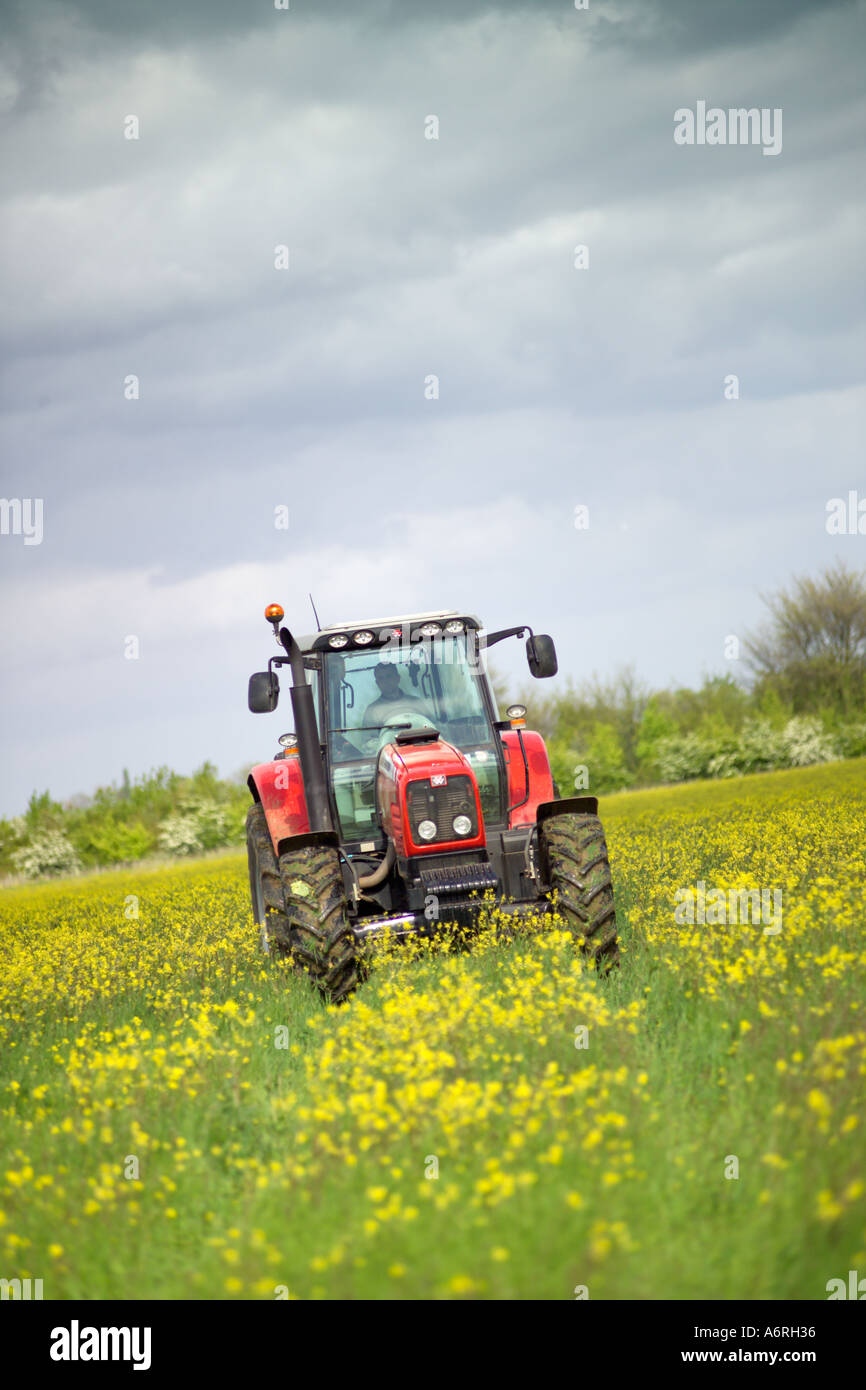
column 682, row 27
column 676, row 25
column 409, row 257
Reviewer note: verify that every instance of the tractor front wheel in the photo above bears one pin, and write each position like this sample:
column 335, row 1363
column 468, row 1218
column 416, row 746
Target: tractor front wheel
column 579, row 875
column 300, row 905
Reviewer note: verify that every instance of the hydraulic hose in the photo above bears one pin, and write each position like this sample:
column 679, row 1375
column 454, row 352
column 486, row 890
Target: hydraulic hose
column 379, row 875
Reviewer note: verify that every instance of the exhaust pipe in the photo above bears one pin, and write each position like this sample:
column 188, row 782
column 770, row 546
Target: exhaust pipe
column 309, row 747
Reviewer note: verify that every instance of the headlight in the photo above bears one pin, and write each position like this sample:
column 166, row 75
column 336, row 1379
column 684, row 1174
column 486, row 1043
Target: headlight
column 362, row 638
column 454, row 627
column 462, row 825
column 340, row 640
column 427, row 829
column 430, row 630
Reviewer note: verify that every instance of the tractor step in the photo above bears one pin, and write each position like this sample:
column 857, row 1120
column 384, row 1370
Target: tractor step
column 459, row 878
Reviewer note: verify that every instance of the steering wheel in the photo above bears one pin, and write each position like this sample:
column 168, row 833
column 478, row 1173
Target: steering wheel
column 411, row 717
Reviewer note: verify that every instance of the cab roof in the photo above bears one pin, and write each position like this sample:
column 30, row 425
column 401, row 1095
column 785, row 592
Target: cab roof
column 314, row 641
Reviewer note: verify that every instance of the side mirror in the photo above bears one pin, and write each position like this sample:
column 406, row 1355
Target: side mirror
column 263, row 693
column 541, row 655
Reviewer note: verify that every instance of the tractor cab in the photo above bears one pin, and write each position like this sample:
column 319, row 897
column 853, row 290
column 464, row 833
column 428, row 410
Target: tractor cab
column 366, row 698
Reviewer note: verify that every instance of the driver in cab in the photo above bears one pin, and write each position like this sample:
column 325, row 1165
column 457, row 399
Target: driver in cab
column 392, row 697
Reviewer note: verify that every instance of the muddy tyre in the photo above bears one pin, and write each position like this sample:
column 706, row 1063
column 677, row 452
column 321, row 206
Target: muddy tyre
column 299, row 903
column 579, row 876
column 266, row 891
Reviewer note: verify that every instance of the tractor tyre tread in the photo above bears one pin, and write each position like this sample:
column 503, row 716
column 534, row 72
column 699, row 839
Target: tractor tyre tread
column 579, row 868
column 306, row 919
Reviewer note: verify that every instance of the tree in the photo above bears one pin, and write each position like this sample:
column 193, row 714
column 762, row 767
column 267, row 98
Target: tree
column 605, row 761
column 812, row 652
column 654, row 727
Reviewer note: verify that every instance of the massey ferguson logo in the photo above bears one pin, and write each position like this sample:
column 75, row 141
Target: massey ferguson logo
column 438, row 779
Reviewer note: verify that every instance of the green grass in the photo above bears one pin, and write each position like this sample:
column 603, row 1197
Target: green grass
column 607, row 1164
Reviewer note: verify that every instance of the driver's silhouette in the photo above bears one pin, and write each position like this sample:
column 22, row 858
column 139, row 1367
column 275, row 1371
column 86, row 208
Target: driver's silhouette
column 391, row 696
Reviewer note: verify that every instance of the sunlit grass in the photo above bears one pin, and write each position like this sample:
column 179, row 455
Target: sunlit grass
column 284, row 1146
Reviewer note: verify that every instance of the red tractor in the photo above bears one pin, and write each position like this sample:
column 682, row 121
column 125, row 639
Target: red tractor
column 401, row 799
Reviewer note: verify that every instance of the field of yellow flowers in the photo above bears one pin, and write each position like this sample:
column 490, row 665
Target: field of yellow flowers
column 181, row 1118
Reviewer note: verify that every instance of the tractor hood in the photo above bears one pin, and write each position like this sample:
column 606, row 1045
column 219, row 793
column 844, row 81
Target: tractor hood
column 427, row 796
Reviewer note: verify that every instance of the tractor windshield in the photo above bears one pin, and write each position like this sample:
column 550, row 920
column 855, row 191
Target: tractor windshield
column 368, row 695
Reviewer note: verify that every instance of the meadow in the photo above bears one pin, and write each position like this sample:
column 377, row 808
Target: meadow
column 181, row 1117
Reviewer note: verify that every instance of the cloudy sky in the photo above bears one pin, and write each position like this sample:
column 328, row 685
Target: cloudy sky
column 409, row 258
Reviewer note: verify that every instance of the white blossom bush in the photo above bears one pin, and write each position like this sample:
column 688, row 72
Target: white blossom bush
column 725, row 764
column 199, row 826
column 179, row 835
column 682, row 757
column 13, row 833
column 806, row 742
column 757, row 748
column 760, row 747
column 45, row 855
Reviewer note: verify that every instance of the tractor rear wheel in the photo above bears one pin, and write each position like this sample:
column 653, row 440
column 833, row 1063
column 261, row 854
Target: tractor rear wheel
column 579, row 874
column 299, row 902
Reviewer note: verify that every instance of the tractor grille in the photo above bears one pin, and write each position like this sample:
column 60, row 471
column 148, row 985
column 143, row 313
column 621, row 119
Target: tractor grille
column 441, row 805
column 459, row 878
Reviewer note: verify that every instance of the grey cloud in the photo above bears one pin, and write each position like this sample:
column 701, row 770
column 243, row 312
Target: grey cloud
column 411, row 257
column 678, row 23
